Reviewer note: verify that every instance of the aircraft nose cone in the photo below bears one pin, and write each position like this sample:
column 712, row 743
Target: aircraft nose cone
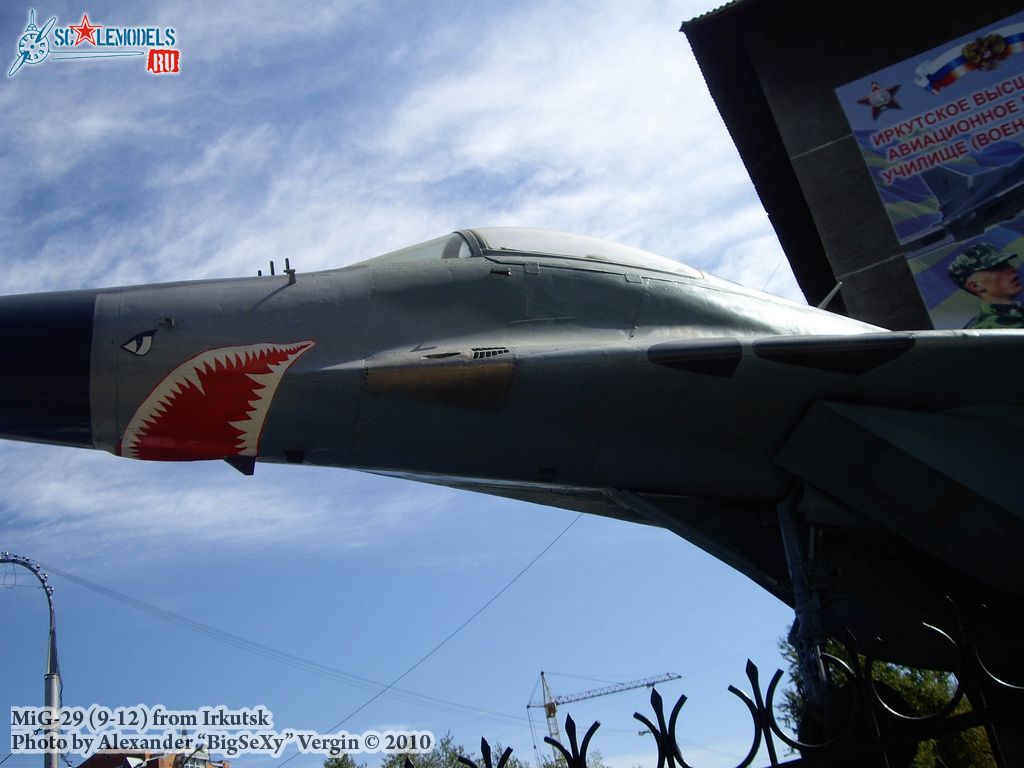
column 45, row 346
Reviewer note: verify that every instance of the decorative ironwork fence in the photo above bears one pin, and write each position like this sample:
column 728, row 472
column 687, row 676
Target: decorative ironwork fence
column 869, row 731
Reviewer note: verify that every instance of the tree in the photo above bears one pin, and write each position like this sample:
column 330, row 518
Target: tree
column 345, row 760
column 446, row 753
column 594, row 760
column 909, row 690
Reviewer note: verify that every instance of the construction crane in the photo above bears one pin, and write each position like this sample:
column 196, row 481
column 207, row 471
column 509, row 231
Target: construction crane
column 551, row 702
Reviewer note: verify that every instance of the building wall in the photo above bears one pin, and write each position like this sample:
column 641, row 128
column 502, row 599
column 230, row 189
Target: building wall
column 793, row 54
column 153, row 760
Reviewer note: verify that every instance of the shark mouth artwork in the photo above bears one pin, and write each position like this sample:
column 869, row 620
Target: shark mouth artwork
column 212, row 406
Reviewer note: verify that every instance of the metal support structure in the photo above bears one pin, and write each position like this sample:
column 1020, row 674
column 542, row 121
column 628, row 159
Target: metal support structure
column 551, row 712
column 810, row 637
column 51, row 680
column 830, row 295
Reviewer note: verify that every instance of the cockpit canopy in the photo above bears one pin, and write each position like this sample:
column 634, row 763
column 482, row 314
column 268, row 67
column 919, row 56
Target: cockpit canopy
column 543, row 243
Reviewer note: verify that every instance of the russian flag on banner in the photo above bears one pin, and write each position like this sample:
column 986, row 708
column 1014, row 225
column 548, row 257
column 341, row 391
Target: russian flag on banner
column 950, row 66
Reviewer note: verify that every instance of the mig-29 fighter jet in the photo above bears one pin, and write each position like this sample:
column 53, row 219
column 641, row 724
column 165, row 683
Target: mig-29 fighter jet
column 858, row 474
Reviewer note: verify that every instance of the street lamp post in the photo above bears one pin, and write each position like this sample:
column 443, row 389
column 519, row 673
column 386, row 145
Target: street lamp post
column 51, row 680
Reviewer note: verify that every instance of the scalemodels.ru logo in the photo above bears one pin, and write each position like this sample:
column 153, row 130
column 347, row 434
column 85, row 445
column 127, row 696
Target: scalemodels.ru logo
column 91, row 40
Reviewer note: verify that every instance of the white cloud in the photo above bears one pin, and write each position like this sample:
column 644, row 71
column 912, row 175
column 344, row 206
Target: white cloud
column 589, row 118
column 251, row 33
column 760, row 263
column 597, row 119
column 107, row 506
column 596, row 122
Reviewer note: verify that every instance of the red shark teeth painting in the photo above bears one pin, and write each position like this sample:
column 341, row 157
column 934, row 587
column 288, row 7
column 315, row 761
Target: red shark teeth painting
column 211, row 406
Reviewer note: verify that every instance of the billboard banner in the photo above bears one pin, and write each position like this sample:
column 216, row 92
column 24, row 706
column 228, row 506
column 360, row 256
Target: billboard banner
column 942, row 135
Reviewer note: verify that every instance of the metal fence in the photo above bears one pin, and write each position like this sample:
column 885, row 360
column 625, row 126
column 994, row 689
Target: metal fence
column 867, row 730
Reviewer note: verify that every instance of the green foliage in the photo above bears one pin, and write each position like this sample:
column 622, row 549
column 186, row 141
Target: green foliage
column 344, row 761
column 446, row 755
column 922, row 692
column 594, row 759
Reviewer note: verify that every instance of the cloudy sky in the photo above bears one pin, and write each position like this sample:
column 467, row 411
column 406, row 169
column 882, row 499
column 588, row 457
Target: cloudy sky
column 330, row 133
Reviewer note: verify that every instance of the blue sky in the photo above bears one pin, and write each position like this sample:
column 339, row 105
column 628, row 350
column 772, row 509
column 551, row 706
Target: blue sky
column 331, row 133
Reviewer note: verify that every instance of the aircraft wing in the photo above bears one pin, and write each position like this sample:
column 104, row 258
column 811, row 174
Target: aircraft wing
column 724, row 529
column 904, row 449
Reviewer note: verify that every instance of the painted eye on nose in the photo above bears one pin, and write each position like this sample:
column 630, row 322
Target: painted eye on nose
column 140, row 343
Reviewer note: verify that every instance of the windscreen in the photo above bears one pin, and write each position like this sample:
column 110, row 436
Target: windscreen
column 452, row 246
column 562, row 244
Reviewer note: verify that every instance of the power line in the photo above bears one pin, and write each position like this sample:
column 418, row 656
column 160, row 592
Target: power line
column 323, row 670
column 779, row 264
column 283, row 657
column 452, row 634
column 462, row 626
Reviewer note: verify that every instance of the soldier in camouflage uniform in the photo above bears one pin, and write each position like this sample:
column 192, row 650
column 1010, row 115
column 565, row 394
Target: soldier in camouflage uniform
column 985, row 272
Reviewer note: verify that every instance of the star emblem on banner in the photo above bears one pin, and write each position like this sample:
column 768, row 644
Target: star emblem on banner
column 86, row 32
column 880, row 99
